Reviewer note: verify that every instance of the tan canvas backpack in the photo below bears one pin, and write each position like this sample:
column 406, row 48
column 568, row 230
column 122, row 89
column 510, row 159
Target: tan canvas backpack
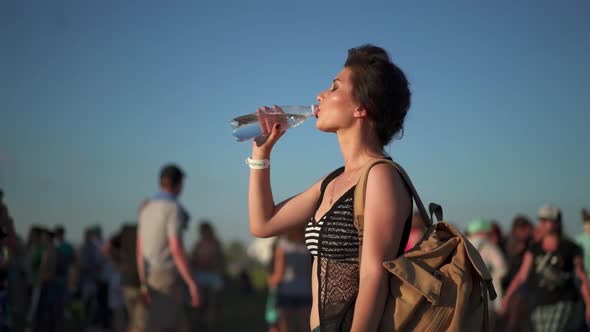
column 442, row 284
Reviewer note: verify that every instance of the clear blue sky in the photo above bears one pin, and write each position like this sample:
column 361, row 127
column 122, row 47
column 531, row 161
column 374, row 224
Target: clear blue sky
column 96, row 96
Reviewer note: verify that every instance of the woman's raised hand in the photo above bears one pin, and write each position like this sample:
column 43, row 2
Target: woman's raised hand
column 273, row 124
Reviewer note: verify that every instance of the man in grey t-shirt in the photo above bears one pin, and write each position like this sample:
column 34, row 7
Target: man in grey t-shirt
column 161, row 259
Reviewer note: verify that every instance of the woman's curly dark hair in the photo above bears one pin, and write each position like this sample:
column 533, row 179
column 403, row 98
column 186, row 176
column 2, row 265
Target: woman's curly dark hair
column 381, row 88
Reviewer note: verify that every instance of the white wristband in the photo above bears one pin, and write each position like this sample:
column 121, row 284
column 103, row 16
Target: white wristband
column 258, row 163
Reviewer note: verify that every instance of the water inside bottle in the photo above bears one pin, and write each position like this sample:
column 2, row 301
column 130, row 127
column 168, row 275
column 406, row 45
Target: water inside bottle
column 247, row 126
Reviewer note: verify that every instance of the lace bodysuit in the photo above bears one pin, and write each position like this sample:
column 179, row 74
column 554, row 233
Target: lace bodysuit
column 335, row 242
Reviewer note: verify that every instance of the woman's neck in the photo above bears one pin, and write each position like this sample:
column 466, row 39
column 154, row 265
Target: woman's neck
column 358, row 150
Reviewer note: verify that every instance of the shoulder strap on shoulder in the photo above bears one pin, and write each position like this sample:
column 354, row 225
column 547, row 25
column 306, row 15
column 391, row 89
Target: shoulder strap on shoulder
column 360, row 192
column 331, row 177
column 325, row 182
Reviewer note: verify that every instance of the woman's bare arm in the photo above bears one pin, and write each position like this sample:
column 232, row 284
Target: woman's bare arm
column 387, row 207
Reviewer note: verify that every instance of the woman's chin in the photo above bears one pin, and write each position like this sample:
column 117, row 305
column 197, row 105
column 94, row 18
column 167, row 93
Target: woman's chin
column 324, row 128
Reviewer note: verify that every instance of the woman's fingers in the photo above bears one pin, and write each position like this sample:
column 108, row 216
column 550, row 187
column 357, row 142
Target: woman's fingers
column 273, row 123
column 276, row 133
column 262, row 122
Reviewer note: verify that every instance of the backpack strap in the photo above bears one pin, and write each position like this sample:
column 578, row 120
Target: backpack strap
column 477, row 262
column 361, row 191
column 486, row 314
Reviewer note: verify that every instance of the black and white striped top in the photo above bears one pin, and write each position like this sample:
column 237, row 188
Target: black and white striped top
column 312, row 235
column 334, row 235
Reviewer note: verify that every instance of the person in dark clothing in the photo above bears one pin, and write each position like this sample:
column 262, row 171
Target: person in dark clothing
column 5, row 310
column 517, row 317
column 46, row 315
column 95, row 287
column 519, row 240
column 121, row 250
column 66, row 256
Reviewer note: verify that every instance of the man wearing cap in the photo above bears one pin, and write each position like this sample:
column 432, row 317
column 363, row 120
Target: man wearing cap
column 549, row 217
column 161, row 258
column 550, row 267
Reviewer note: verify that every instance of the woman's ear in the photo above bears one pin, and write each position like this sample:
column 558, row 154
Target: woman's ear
column 360, row 112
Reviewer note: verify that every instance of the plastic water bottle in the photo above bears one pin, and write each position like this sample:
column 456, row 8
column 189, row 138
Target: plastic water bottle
column 247, row 127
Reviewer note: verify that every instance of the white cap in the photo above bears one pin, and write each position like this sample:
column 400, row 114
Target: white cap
column 549, row 212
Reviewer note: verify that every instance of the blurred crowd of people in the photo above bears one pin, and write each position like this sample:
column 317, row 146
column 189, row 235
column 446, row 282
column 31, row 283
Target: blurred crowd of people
column 540, row 275
column 49, row 284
